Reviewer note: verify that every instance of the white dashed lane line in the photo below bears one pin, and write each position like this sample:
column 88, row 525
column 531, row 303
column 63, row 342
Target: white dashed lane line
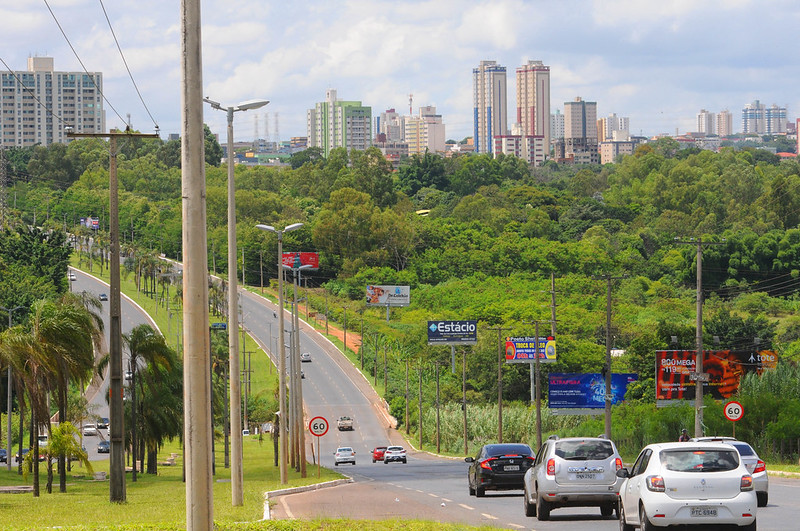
column 515, row 525
column 432, row 495
column 448, row 501
column 489, row 516
column 467, row 507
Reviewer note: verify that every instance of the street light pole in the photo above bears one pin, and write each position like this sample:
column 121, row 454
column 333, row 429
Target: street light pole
column 237, row 473
column 282, row 356
column 296, row 384
column 10, row 311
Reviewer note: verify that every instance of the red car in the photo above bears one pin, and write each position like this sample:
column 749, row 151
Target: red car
column 377, row 453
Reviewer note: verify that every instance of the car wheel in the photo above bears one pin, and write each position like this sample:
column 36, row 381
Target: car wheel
column 751, row 527
column 373, row 461
column 763, row 498
column 530, row 508
column 623, row 525
column 606, row 510
column 336, row 464
column 542, row 509
column 480, row 492
column 644, row 521
column 404, row 461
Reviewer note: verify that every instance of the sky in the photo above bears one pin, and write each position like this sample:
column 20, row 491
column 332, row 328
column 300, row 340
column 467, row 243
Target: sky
column 657, row 62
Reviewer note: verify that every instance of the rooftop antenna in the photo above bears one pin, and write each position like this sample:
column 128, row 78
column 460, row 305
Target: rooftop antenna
column 410, row 100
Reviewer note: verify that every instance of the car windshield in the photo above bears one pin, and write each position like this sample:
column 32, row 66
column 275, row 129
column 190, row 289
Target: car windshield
column 508, row 449
column 583, row 450
column 699, row 460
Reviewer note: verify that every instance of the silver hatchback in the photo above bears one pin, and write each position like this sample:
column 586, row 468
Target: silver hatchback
column 754, row 464
column 573, row 472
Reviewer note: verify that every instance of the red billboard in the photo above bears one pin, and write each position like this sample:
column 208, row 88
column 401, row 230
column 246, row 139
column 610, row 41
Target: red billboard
column 298, row 259
column 724, row 368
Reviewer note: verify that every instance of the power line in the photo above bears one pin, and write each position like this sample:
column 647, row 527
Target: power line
column 91, row 77
column 126, row 66
column 46, row 108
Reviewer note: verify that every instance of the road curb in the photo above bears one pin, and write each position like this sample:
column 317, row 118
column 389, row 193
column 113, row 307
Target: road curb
column 295, row 490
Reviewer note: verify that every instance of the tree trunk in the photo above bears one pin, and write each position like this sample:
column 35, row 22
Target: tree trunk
column 152, row 462
column 35, row 452
column 62, row 467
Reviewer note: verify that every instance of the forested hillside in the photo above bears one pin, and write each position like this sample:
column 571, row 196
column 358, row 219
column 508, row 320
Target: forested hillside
column 490, row 234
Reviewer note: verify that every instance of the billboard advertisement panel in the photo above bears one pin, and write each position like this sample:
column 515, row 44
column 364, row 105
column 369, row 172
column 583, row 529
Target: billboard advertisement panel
column 724, row 369
column 298, row 259
column 523, row 349
column 452, row 332
column 576, row 390
column 388, row 295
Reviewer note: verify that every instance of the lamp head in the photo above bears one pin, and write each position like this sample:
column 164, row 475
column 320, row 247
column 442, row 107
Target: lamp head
column 251, row 104
column 269, row 228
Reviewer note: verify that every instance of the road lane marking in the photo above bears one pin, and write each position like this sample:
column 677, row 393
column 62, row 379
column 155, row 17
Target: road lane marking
column 467, row 507
column 432, row 495
column 515, row 525
column 489, row 516
column 286, row 507
column 448, row 501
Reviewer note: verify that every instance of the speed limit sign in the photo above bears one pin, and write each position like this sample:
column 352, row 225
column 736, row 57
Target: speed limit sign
column 734, row 411
column 318, row 426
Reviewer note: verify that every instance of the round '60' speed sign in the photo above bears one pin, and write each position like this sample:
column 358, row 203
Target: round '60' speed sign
column 318, row 426
column 734, row 411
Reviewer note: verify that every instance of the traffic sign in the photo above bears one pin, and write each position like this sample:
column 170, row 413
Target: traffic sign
column 219, row 326
column 734, row 411
column 318, row 426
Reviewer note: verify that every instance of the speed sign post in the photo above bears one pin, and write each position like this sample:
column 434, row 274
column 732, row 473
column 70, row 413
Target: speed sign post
column 734, row 412
column 318, row 426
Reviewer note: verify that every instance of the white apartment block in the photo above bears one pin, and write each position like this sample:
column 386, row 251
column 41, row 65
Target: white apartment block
column 556, row 126
column 39, row 103
column 529, row 148
column 533, row 100
column 724, row 123
column 490, row 104
column 391, row 123
column 609, row 151
column 337, row 123
column 425, row 132
column 613, row 128
column 706, row 122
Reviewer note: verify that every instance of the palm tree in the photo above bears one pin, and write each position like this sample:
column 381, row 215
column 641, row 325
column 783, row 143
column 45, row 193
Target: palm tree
column 64, row 441
column 148, row 345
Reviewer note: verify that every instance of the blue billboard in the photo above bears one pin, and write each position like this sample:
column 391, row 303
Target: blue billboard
column 452, row 332
column 577, row 390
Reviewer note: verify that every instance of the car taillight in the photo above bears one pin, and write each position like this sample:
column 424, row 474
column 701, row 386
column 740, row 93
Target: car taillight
column 747, row 483
column 551, row 467
column 618, row 463
column 485, row 463
column 760, row 467
column 655, row 483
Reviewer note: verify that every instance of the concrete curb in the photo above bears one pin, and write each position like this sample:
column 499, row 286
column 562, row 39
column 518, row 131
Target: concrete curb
column 295, row 490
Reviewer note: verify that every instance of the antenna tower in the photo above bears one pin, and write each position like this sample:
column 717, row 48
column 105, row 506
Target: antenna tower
column 410, row 100
column 266, row 127
column 255, row 127
column 277, row 129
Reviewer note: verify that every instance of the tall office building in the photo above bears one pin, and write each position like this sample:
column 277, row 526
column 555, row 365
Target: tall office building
column 533, row 100
column 336, row 123
column 39, row 103
column 724, row 123
column 491, row 104
column 706, row 122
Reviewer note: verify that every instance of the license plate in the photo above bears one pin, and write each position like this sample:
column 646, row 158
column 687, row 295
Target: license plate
column 584, row 475
column 704, row 511
column 511, row 468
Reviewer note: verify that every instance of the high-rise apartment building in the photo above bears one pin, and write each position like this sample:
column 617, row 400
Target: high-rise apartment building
column 580, row 119
column 706, row 122
column 775, row 118
column 491, row 104
column 425, row 132
column 39, row 103
column 391, row 124
column 337, row 123
column 533, row 100
column 724, row 123
column 613, row 128
column 754, row 118
column 556, row 126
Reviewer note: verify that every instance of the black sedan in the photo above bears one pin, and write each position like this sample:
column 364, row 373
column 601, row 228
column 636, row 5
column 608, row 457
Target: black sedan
column 103, row 447
column 499, row 467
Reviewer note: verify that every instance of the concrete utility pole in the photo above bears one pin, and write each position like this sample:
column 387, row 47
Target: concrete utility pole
column 237, row 473
column 607, row 367
column 116, row 410
column 196, row 362
column 500, row 381
column 699, row 376
column 10, row 312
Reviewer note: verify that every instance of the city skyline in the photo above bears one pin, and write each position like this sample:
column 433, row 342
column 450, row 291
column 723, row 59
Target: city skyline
column 658, row 65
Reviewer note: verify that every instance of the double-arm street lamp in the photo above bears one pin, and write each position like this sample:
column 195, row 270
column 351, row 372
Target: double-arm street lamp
column 237, row 474
column 282, row 355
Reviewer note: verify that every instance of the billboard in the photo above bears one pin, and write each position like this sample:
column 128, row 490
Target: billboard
column 724, row 368
column 576, row 390
column 388, row 295
column 298, row 259
column 523, row 349
column 452, row 332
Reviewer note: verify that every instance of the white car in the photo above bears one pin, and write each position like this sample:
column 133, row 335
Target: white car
column 89, row 429
column 305, row 357
column 345, row 454
column 72, row 276
column 755, row 465
column 687, row 483
column 394, row 453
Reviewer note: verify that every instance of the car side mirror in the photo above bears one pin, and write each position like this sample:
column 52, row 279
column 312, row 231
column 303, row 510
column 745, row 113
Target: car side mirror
column 469, row 459
column 623, row 473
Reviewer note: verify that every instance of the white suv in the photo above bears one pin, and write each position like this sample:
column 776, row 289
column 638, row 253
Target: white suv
column 573, row 472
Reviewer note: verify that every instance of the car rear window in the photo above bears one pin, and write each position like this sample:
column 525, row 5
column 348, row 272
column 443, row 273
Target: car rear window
column 395, row 449
column 699, row 460
column 744, row 449
column 584, row 450
column 509, row 449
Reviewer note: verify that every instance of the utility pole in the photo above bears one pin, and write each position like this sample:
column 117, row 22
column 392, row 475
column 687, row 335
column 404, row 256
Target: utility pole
column 699, row 376
column 464, row 396
column 500, row 381
column 117, row 427
column 607, row 366
column 10, row 312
